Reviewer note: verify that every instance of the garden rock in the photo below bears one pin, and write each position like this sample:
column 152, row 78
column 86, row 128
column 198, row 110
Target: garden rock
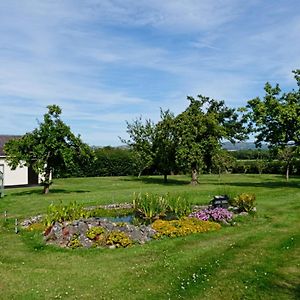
column 36, row 219
column 243, row 213
column 85, row 242
column 62, row 233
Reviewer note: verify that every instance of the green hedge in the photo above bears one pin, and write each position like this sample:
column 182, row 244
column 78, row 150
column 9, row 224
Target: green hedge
column 269, row 167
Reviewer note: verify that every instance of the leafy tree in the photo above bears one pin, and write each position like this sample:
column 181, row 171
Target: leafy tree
column 164, row 144
column 141, row 142
column 50, row 147
column 153, row 144
column 200, row 130
column 222, row 161
column 276, row 120
column 288, row 156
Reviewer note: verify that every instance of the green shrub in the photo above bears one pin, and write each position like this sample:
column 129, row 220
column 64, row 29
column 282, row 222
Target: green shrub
column 118, row 239
column 94, row 232
column 182, row 227
column 245, row 202
column 61, row 213
column 74, row 242
column 36, row 227
column 115, row 212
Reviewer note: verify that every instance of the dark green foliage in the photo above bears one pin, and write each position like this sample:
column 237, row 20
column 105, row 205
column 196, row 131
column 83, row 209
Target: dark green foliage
column 269, row 167
column 251, row 154
column 141, row 143
column 114, row 162
column 200, row 130
column 164, row 144
column 106, row 161
column 153, row 145
column 222, row 162
column 189, row 142
column 245, row 166
column 275, row 120
column 49, row 148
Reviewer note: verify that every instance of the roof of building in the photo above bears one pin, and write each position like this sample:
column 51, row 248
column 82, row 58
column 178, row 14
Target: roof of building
column 4, row 139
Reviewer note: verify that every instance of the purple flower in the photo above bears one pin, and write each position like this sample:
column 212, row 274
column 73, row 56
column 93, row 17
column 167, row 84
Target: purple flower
column 212, row 214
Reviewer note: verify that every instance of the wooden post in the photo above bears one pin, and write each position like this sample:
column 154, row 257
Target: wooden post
column 16, row 226
column 1, row 181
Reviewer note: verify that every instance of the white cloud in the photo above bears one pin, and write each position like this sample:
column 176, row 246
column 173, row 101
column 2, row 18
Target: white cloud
column 108, row 61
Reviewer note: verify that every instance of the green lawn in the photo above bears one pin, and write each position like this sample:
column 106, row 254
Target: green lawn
column 259, row 259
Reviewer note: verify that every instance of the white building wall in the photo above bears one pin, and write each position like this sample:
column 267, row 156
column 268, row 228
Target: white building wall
column 19, row 176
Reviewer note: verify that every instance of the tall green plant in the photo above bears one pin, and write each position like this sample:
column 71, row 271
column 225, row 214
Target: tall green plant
column 152, row 206
column 149, row 206
column 178, row 206
column 61, row 213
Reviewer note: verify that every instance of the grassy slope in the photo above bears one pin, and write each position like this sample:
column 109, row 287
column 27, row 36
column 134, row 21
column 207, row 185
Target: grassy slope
column 259, row 259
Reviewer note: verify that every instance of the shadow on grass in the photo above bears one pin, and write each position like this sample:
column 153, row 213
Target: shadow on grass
column 274, row 182
column 52, row 191
column 265, row 184
column 158, row 180
column 287, row 286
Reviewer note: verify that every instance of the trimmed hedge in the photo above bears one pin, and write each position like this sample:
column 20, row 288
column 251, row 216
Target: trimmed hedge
column 269, row 167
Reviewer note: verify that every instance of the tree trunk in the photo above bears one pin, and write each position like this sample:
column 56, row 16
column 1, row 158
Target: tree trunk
column 287, row 172
column 165, row 178
column 47, row 182
column 194, row 177
column 46, row 188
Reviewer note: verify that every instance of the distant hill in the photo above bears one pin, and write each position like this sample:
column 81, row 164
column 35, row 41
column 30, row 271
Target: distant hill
column 226, row 145
column 241, row 146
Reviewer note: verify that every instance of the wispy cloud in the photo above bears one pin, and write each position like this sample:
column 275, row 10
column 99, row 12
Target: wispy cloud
column 107, row 61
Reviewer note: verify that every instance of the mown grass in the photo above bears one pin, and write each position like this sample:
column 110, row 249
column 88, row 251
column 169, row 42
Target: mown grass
column 259, row 259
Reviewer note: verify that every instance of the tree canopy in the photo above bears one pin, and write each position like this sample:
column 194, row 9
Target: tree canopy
column 50, row 147
column 164, row 144
column 201, row 129
column 141, row 142
column 275, row 120
column 188, row 141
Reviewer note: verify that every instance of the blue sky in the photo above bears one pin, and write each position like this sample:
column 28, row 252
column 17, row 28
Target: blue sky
column 108, row 61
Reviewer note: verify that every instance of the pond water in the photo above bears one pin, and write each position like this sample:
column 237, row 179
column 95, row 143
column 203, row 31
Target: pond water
column 135, row 220
column 126, row 219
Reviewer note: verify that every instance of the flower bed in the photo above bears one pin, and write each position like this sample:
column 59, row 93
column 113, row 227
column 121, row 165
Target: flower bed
column 182, row 227
column 213, row 214
column 74, row 226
